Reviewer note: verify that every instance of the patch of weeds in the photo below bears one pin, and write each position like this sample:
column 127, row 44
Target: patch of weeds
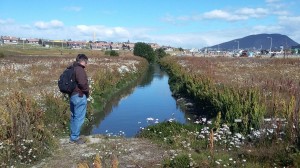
column 25, row 138
column 161, row 131
column 111, row 53
column 296, row 159
column 114, row 53
column 2, row 55
column 57, row 114
column 179, row 161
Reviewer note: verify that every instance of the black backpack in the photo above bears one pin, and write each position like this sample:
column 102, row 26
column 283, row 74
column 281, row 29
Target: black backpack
column 66, row 81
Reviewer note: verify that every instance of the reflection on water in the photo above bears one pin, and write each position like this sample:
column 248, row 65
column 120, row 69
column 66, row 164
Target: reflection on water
column 129, row 111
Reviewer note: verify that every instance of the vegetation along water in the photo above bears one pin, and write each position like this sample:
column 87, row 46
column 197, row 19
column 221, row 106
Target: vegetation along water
column 246, row 109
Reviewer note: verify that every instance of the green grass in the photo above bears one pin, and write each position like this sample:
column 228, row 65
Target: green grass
column 191, row 146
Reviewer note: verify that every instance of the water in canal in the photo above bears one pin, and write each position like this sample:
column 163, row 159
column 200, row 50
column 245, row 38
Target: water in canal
column 147, row 103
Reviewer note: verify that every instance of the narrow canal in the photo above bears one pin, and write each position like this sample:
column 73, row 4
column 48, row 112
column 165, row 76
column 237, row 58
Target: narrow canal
column 147, row 103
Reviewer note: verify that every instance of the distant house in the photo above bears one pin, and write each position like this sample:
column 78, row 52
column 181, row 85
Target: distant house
column 128, row 45
column 116, row 46
column 154, row 46
column 131, row 45
column 33, row 41
column 54, row 43
column 296, row 49
column 9, row 40
column 167, row 48
column 100, row 45
column 76, row 44
column 45, row 42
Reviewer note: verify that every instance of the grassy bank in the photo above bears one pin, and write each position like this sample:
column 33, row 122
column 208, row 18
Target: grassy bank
column 33, row 113
column 251, row 109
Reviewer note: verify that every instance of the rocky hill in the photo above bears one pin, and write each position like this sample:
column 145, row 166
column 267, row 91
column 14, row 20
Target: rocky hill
column 258, row 41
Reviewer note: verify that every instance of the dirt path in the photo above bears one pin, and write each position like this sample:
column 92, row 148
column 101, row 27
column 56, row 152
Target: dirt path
column 128, row 152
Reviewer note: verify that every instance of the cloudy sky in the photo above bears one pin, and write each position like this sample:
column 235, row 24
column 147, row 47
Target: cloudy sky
column 179, row 23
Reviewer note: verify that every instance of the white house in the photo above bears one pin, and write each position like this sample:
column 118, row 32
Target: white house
column 9, row 40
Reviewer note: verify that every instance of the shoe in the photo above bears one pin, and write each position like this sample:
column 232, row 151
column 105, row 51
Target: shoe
column 78, row 141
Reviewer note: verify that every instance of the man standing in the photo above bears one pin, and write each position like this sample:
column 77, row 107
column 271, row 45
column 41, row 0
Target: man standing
column 78, row 99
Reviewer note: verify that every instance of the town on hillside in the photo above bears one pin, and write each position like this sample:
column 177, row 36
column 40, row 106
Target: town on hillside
column 70, row 44
column 217, row 50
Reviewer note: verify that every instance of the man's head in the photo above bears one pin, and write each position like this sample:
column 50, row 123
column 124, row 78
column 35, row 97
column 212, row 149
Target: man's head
column 82, row 59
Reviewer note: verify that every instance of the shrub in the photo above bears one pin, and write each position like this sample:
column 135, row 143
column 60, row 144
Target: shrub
column 57, row 114
column 166, row 129
column 114, row 53
column 233, row 103
column 144, row 50
column 23, row 137
column 180, row 161
column 111, row 53
column 166, row 133
column 160, row 53
column 2, row 55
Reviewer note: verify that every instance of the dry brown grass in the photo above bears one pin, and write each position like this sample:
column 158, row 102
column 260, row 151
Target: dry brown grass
column 39, row 74
column 241, row 71
column 276, row 78
column 29, row 94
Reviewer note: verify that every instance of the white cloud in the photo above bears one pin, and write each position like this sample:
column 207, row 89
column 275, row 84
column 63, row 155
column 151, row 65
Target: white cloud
column 25, row 26
column 217, row 14
column 278, row 7
column 119, row 34
column 102, row 31
column 73, row 8
column 267, row 29
column 281, row 12
column 291, row 26
column 253, row 12
column 223, row 15
column 49, row 25
column 55, row 29
column 6, row 21
column 169, row 19
column 291, row 21
column 193, row 40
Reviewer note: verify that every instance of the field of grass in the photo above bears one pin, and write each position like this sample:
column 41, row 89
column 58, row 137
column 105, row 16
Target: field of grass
column 32, row 110
column 37, row 50
column 249, row 107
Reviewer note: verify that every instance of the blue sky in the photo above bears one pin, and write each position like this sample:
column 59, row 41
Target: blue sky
column 187, row 24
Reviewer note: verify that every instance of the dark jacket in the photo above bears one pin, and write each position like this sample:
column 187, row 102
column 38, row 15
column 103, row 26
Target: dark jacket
column 81, row 80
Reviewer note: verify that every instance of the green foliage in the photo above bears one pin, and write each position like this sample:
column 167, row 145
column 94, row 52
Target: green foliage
column 160, row 53
column 114, row 53
column 57, row 114
column 144, row 50
column 192, row 139
column 233, row 103
column 180, row 161
column 2, row 55
column 111, row 53
column 162, row 130
column 296, row 159
column 226, row 103
column 167, row 133
column 217, row 121
column 24, row 138
column 180, row 49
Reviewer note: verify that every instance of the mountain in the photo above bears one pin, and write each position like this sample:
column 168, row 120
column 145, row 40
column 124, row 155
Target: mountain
column 258, row 41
